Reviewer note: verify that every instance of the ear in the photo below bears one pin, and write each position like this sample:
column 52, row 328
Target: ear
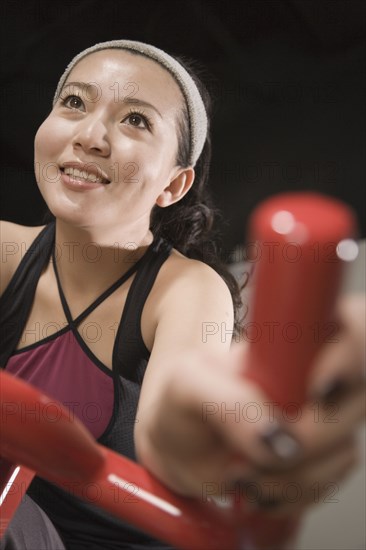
column 177, row 188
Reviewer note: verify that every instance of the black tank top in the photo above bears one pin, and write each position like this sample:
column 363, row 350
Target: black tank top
column 80, row 524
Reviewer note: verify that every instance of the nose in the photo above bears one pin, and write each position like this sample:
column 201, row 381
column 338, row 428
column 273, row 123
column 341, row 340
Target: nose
column 92, row 137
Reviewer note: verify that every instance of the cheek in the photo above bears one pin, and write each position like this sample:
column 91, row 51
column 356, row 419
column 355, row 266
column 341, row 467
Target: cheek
column 47, row 143
column 44, row 139
column 156, row 164
column 140, row 169
column 45, row 168
column 41, row 152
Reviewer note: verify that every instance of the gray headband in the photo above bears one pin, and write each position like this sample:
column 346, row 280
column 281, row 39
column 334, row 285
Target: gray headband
column 196, row 109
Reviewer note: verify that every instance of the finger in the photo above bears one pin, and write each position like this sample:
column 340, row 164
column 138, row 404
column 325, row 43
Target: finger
column 315, row 482
column 324, row 425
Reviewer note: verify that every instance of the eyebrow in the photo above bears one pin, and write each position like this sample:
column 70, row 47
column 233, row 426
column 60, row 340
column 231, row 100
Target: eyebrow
column 127, row 100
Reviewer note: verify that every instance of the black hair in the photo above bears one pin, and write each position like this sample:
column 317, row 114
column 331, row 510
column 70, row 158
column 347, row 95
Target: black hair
column 189, row 223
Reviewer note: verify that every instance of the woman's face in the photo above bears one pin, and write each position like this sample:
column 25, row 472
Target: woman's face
column 106, row 153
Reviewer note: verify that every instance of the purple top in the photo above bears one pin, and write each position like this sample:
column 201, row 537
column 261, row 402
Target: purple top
column 86, row 389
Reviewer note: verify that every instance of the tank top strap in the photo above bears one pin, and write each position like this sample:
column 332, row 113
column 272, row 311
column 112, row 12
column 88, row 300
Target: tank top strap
column 129, row 345
column 17, row 299
column 75, row 322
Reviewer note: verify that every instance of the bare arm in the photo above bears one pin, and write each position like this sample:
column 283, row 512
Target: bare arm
column 195, row 321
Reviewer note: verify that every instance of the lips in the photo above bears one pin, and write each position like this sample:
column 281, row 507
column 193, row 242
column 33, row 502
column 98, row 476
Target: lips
column 89, row 172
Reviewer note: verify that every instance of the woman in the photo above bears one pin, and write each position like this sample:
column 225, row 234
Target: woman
column 106, row 310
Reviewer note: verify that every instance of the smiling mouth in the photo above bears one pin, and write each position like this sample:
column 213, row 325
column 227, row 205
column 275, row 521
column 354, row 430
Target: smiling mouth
column 83, row 175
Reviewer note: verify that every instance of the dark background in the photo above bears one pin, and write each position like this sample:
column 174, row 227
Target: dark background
column 287, row 75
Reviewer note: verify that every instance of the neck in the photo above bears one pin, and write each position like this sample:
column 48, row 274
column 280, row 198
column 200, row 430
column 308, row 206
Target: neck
column 91, row 259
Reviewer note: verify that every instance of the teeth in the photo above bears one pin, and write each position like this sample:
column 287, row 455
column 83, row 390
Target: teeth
column 82, row 175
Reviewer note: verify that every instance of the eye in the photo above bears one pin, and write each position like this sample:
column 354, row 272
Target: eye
column 72, row 102
column 138, row 120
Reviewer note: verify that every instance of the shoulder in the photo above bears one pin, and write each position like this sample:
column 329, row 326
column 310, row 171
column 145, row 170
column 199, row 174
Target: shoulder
column 15, row 241
column 190, row 299
column 183, row 278
column 10, row 229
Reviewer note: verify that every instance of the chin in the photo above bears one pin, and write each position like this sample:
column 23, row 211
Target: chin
column 72, row 216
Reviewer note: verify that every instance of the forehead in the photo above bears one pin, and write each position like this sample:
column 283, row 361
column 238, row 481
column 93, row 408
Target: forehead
column 125, row 73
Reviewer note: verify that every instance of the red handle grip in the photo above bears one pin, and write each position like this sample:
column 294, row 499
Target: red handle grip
column 299, row 240
column 298, row 243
